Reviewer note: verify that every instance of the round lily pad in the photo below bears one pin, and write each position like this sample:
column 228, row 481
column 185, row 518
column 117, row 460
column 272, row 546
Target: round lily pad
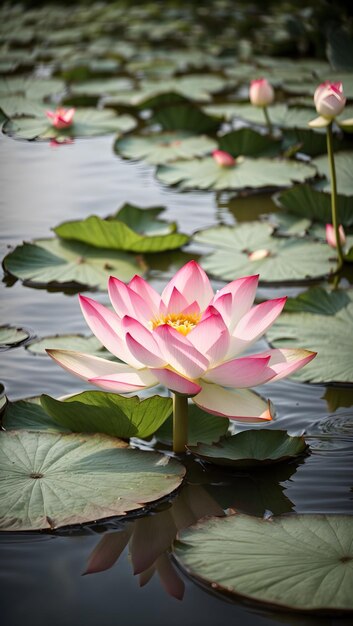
column 248, row 142
column 81, row 343
column 247, row 173
column 321, row 321
column 87, row 123
column 11, row 337
column 311, row 203
column 251, row 448
column 51, row 480
column 280, row 114
column 25, row 96
column 250, row 248
column 101, row 87
column 60, row 263
column 344, row 167
column 184, row 116
column 297, row 562
column 164, row 147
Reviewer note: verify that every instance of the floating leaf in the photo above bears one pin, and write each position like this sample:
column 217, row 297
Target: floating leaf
column 249, row 248
column 280, row 114
column 52, row 480
column 102, row 87
column 109, row 413
column 185, row 117
column 344, row 167
column 246, row 173
column 202, row 427
column 248, row 142
column 81, row 343
column 321, row 321
column 56, row 262
column 299, row 562
column 251, row 448
column 305, row 201
column 24, row 96
column 164, row 147
column 11, row 337
column 87, row 123
column 29, row 415
column 114, row 234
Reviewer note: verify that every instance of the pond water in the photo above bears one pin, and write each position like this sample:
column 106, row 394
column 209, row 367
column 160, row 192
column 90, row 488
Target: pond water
column 41, row 575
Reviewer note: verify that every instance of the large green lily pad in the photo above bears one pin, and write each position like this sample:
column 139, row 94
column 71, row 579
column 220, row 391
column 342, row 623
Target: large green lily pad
column 247, row 173
column 251, row 448
column 25, row 96
column 52, row 480
column 11, row 337
column 279, row 259
column 321, row 321
column 202, row 427
column 280, row 114
column 142, row 233
column 297, row 562
column 248, row 142
column 87, row 123
column 102, row 87
column 184, row 116
column 80, row 343
column 109, row 413
column 310, row 203
column 344, row 168
column 60, row 263
column 29, row 415
column 163, row 147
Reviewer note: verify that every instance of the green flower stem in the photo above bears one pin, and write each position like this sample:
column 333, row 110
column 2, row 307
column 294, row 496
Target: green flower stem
column 268, row 121
column 335, row 222
column 180, row 422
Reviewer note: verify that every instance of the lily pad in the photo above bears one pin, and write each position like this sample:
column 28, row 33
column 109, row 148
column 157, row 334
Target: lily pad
column 251, row 448
column 109, row 413
column 202, row 427
column 29, row 415
column 321, row 321
column 344, row 168
column 250, row 248
column 102, row 87
column 280, row 114
column 297, row 562
column 248, row 142
column 53, row 480
column 163, row 147
column 307, row 202
column 60, row 263
column 185, row 117
column 131, row 229
column 81, row 343
column 87, row 123
column 247, row 173
column 25, row 96
column 11, row 337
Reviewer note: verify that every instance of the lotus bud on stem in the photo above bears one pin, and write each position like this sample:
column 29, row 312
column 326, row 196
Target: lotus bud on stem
column 180, row 422
column 335, row 221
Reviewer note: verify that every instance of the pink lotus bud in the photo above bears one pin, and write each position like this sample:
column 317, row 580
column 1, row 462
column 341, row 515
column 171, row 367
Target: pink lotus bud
column 331, row 236
column 329, row 99
column 261, row 93
column 61, row 118
column 223, row 158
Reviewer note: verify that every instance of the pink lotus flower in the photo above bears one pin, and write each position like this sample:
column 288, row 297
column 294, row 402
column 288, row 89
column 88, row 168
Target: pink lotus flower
column 223, row 158
column 261, row 93
column 61, row 118
column 331, row 235
column 188, row 339
column 329, row 99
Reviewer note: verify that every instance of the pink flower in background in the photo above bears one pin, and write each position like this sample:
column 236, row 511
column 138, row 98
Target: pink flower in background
column 223, row 158
column 331, row 236
column 329, row 99
column 61, row 118
column 261, row 93
column 187, row 339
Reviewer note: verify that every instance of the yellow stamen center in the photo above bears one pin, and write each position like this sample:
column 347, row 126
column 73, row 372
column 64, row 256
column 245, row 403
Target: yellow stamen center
column 182, row 323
